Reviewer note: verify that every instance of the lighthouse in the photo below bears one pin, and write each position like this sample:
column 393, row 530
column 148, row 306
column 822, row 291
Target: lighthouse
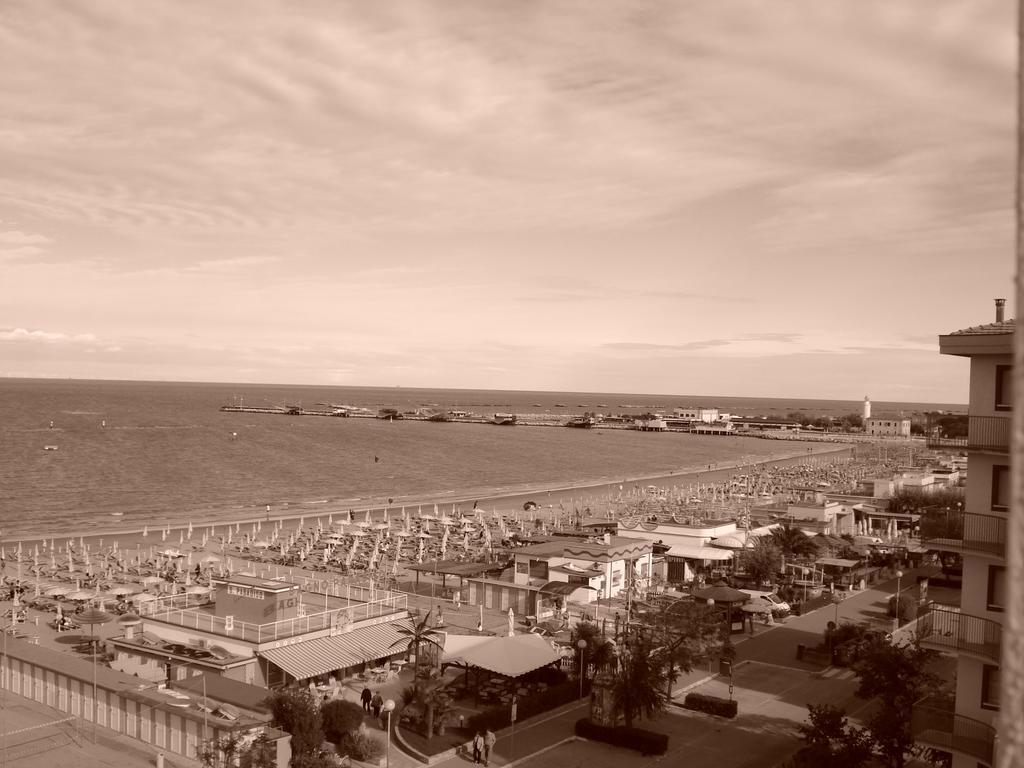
column 867, row 407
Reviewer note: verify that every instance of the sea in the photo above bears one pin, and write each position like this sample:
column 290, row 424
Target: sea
column 131, row 453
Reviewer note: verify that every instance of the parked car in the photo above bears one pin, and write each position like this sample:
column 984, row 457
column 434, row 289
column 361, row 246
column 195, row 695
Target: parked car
column 772, row 600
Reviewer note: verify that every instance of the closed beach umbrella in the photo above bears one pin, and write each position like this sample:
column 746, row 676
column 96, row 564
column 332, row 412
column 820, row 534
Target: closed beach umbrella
column 511, row 622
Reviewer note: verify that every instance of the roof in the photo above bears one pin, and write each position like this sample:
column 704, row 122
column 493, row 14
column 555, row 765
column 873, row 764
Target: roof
column 698, row 552
column 988, row 329
column 455, row 567
column 589, row 572
column 254, row 581
column 224, row 689
column 562, row 588
column 510, row 656
column 838, row 562
column 618, row 548
column 326, row 654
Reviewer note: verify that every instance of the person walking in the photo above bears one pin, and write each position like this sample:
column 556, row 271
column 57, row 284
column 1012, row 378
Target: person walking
column 365, row 697
column 377, row 702
column 489, row 739
column 478, row 747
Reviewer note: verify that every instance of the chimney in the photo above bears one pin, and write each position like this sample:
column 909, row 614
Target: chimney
column 1000, row 304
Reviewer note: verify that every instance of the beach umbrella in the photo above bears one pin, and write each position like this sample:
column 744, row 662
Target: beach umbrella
column 93, row 617
column 444, row 542
column 80, row 595
column 198, row 589
column 210, row 559
column 122, row 589
column 57, row 591
column 145, row 531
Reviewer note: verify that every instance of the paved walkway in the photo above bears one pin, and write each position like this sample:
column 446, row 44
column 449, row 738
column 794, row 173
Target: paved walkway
column 773, row 689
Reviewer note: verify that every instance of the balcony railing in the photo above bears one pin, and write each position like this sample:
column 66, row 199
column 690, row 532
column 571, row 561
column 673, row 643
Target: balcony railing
column 980, row 433
column 950, row 732
column 965, row 532
column 184, row 611
column 945, row 628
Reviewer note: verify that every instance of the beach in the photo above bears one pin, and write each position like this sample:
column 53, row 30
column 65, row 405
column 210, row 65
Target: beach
column 552, row 498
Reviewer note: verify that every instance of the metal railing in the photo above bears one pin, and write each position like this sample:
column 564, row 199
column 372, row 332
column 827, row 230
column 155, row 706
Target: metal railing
column 982, row 433
column 948, row 731
column 182, row 610
column 946, row 628
column 968, row 532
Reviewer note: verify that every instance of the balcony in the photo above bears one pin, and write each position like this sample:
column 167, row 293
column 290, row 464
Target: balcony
column 941, row 728
column 977, row 433
column 944, row 628
column 964, row 532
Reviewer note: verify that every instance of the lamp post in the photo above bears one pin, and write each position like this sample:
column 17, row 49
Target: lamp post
column 582, row 645
column 896, row 618
column 389, row 707
column 711, row 610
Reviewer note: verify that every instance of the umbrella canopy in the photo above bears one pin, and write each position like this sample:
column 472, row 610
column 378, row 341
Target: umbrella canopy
column 93, row 616
column 123, row 589
column 211, row 558
column 152, row 579
column 511, row 656
column 81, row 594
column 198, row 589
column 129, row 620
column 721, row 593
column 58, row 591
column 144, row 598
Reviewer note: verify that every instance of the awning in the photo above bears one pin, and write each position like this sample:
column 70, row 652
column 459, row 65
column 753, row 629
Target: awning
column 456, row 646
column 698, row 552
column 511, row 656
column 326, row 654
column 837, row 562
column 562, row 588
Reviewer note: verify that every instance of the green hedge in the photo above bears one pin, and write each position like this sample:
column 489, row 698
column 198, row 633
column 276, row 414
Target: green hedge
column 527, row 706
column 644, row 742
column 710, row 704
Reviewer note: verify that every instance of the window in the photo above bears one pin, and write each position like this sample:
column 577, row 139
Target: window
column 1004, row 387
column 996, row 596
column 989, row 687
column 1000, row 487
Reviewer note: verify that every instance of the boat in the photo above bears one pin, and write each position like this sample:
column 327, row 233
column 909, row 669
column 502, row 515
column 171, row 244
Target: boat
column 586, row 421
column 505, row 419
column 559, row 405
column 117, row 514
column 50, row 447
column 389, row 414
column 439, row 416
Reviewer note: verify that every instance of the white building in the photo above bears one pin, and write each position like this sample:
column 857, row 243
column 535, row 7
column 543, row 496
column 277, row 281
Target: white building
column 887, row 427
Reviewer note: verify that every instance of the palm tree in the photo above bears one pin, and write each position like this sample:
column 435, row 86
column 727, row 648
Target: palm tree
column 793, row 542
column 428, row 690
column 418, row 637
column 636, row 689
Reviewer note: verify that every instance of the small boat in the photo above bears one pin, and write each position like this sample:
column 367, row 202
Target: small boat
column 505, row 419
column 582, row 422
column 50, row 447
column 117, row 514
column 559, row 405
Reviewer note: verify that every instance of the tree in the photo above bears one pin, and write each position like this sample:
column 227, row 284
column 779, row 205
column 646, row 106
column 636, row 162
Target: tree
column 682, row 632
column 636, row 689
column 793, row 542
column 295, row 710
column 260, row 754
column 340, row 718
column 830, row 742
column 763, row 560
column 218, row 753
column 428, row 690
column 421, row 635
column 898, row 676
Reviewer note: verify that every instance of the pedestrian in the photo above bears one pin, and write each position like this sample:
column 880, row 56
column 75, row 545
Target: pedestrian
column 365, row 697
column 489, row 739
column 377, row 702
column 478, row 747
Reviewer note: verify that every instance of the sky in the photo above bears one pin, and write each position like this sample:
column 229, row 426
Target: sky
column 785, row 199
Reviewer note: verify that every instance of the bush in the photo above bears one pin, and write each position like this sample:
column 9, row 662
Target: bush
column 341, row 717
column 712, row 705
column 360, row 745
column 527, row 706
column 643, row 741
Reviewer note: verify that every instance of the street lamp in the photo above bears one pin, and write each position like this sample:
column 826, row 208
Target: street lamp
column 389, row 707
column 896, row 618
column 582, row 645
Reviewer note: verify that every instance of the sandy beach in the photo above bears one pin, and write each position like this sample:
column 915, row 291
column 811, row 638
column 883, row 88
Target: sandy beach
column 567, row 496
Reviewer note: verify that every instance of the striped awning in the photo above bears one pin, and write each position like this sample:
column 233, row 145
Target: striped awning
column 326, row 654
column 698, row 552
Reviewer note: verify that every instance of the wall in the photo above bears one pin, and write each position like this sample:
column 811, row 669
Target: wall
column 119, row 709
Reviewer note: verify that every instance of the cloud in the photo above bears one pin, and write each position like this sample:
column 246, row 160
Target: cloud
column 23, row 335
column 17, row 237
